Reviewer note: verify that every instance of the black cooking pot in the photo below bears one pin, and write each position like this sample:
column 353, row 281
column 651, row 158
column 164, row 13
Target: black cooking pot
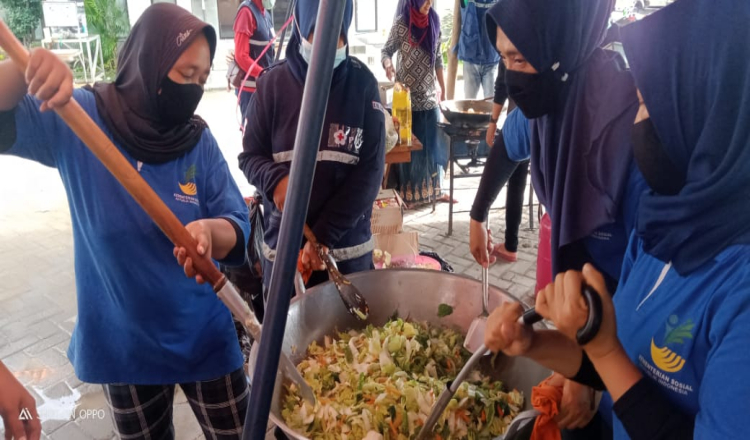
column 467, row 113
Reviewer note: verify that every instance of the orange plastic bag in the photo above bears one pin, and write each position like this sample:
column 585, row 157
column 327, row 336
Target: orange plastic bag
column 546, row 399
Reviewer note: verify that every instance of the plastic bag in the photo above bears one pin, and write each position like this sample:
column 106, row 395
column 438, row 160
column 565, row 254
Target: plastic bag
column 444, row 265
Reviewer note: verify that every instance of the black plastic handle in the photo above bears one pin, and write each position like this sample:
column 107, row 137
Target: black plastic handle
column 594, row 321
column 588, row 332
column 531, row 317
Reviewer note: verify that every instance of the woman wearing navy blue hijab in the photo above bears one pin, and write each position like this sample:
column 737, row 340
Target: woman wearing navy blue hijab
column 581, row 104
column 351, row 159
column 672, row 349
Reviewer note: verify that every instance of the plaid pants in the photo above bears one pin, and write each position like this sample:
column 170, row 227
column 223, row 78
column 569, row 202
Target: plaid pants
column 145, row 411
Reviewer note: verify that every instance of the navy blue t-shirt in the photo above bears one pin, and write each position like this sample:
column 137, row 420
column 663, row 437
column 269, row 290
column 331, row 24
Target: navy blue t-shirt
column 140, row 320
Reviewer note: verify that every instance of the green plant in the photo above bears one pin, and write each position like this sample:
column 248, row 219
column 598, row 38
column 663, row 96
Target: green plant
column 105, row 18
column 23, row 17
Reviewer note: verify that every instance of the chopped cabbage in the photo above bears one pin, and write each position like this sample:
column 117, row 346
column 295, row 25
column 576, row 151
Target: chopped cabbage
column 382, row 383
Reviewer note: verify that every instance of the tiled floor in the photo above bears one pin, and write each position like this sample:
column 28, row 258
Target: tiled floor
column 37, row 297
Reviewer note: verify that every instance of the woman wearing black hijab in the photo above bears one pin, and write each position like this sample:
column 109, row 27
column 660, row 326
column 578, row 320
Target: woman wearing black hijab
column 142, row 326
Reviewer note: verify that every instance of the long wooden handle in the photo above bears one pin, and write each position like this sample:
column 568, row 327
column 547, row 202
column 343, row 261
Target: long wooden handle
column 99, row 144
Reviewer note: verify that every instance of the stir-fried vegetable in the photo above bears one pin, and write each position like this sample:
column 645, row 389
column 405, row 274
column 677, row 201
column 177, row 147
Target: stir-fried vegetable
column 381, row 384
column 444, row 310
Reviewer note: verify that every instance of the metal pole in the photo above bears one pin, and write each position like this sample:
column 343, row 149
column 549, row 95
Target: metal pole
column 289, row 12
column 306, row 144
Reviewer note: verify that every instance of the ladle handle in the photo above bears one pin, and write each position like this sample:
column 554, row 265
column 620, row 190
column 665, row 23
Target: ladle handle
column 326, row 258
column 593, row 323
column 485, row 291
column 486, row 280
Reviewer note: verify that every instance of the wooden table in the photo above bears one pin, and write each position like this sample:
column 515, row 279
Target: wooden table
column 401, row 153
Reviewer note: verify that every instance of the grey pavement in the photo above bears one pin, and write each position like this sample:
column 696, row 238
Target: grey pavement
column 38, row 301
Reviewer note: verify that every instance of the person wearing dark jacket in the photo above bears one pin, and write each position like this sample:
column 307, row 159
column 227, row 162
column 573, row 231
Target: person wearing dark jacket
column 351, row 159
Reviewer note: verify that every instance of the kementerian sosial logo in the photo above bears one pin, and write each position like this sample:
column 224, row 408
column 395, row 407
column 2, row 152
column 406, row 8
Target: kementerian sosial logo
column 188, row 187
column 666, row 357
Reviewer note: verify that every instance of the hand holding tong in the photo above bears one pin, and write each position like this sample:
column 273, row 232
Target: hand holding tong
column 353, row 300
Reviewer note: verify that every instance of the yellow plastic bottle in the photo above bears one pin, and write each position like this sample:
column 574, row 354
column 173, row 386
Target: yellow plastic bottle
column 402, row 111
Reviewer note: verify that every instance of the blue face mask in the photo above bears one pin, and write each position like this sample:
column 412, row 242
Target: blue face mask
column 305, row 49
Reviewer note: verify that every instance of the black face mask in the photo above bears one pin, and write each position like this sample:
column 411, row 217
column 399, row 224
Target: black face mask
column 660, row 172
column 534, row 94
column 177, row 102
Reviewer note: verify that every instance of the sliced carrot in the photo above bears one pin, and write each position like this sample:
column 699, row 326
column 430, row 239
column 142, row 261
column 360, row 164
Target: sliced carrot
column 484, row 416
column 399, row 419
column 394, row 431
column 463, row 415
column 438, row 437
column 392, row 390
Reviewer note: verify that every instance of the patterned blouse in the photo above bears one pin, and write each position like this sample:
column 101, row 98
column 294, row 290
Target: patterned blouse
column 413, row 68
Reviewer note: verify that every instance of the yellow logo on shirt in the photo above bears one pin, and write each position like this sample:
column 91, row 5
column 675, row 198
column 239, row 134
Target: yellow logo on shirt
column 189, row 188
column 663, row 357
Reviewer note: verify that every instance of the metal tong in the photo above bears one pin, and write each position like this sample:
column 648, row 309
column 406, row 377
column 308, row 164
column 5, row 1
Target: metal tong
column 353, row 300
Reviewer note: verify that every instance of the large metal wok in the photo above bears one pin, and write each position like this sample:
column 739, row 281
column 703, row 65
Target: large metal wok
column 467, row 113
column 411, row 293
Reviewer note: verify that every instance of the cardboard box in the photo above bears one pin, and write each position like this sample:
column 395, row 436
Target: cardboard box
column 387, row 213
